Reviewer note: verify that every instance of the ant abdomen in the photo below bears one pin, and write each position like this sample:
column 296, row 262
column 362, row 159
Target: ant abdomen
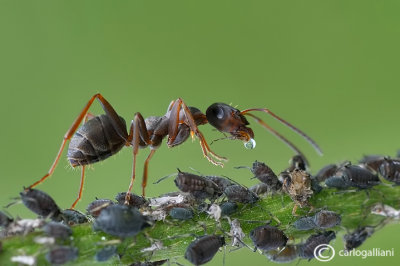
column 94, row 141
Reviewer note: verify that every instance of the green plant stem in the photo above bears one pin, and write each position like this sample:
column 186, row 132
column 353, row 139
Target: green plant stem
column 353, row 206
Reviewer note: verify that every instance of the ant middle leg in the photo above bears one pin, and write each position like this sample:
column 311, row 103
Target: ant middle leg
column 137, row 134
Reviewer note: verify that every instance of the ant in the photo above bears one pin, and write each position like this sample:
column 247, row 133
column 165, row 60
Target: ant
column 104, row 135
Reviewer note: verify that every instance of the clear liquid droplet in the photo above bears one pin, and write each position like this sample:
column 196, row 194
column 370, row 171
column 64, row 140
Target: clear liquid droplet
column 251, row 144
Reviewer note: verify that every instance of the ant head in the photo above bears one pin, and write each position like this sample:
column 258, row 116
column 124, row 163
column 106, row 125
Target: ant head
column 227, row 119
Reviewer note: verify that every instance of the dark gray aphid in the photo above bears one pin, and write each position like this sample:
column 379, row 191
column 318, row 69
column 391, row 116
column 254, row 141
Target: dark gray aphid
column 72, row 217
column 120, row 220
column 390, row 170
column 134, row 200
column 228, row 208
column 61, row 254
column 267, row 237
column 264, row 173
column 198, row 186
column 321, row 220
column 306, row 250
column 149, row 263
column 326, row 172
column 238, row 193
column 5, row 220
column 40, row 203
column 95, row 207
column 181, row 213
column 357, row 238
column 372, row 162
column 57, row 230
column 326, row 219
column 353, row 176
column 203, row 249
column 285, row 255
column 105, row 253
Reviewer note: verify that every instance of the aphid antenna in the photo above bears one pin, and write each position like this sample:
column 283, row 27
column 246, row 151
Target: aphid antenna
column 165, row 177
column 196, row 171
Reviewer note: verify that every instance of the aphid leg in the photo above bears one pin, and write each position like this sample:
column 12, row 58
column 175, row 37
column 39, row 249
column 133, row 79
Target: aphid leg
column 295, row 129
column 80, row 187
column 108, row 109
column 173, row 130
column 137, row 132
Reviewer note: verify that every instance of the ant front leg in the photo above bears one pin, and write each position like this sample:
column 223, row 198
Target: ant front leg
column 173, row 130
column 109, row 110
column 138, row 132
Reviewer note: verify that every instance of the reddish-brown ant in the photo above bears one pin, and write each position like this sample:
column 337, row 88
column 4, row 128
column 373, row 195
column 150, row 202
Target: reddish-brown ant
column 104, row 135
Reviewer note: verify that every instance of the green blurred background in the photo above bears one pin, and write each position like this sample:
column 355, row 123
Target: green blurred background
column 329, row 67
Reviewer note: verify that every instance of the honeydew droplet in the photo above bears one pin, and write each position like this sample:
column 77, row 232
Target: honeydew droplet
column 251, row 144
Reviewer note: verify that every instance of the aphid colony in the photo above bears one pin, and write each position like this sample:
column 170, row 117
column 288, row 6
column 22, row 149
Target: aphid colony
column 219, row 198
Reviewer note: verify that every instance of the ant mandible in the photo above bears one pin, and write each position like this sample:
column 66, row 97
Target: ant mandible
column 104, row 135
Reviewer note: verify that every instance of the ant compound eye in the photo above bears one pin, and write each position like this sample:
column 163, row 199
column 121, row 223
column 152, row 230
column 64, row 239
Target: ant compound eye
column 219, row 113
column 251, row 144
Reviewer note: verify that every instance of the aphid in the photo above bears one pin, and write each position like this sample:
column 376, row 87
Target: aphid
column 265, row 174
column 298, row 185
column 228, row 208
column 326, row 219
column 57, row 230
column 355, row 239
column 326, row 172
column 25, row 260
column 95, row 207
column 238, row 193
column 204, row 248
column 40, row 203
column 215, row 211
column 237, row 233
column 134, row 200
column 120, row 220
column 200, row 187
column 181, row 213
column 103, row 136
column 285, row 255
column 321, row 220
column 61, row 254
column 385, row 210
column 306, row 250
column 353, row 176
column 72, row 217
column 372, row 162
column 267, row 237
column 105, row 253
column 5, row 220
column 390, row 170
